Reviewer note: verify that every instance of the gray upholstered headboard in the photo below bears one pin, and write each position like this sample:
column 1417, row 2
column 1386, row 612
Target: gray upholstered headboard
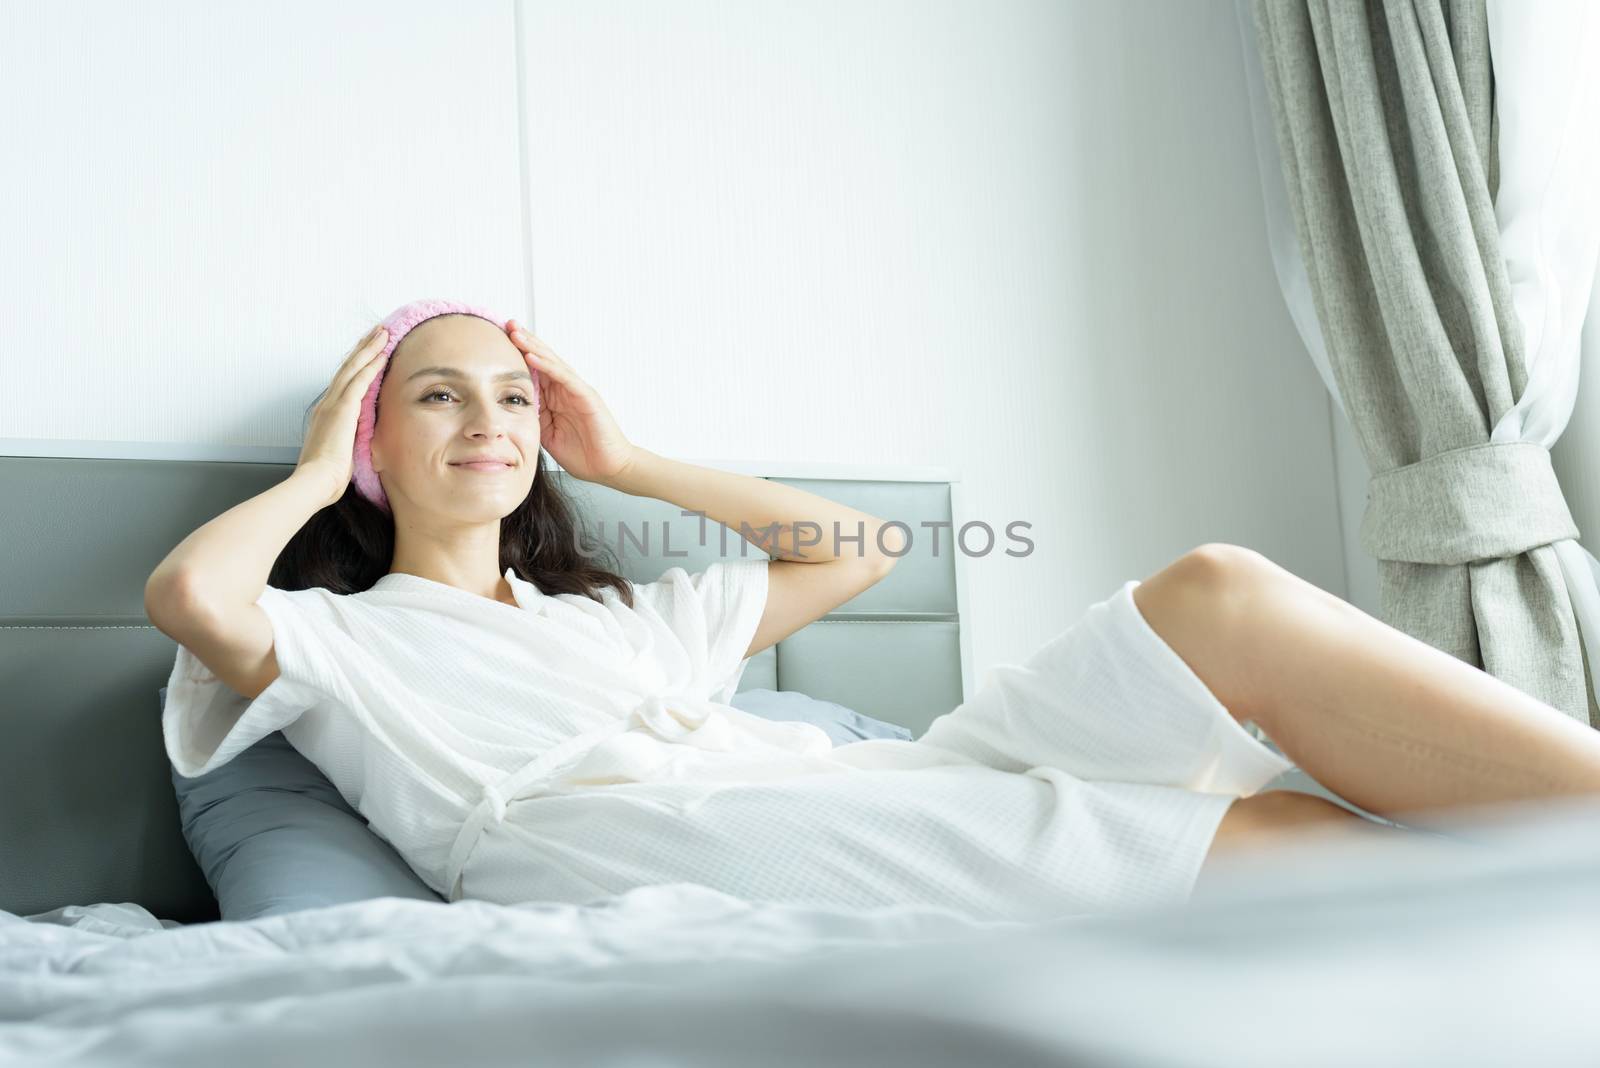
column 87, row 811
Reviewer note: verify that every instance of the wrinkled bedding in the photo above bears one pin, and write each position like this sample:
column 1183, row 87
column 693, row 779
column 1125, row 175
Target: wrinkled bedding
column 1487, row 952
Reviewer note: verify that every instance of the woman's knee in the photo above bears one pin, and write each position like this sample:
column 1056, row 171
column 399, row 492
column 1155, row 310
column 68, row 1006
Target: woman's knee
column 1243, row 576
column 1223, row 569
column 1208, row 578
column 1199, row 604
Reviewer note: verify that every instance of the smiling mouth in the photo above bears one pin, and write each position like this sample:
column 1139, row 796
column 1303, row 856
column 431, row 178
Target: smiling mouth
column 483, row 466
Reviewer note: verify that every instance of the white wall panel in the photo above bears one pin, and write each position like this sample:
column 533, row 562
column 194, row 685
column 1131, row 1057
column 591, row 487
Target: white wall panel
column 1018, row 240
column 1574, row 454
column 206, row 205
column 1021, row 240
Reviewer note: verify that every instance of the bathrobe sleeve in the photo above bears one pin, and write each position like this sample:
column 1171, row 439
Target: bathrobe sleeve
column 206, row 723
column 713, row 614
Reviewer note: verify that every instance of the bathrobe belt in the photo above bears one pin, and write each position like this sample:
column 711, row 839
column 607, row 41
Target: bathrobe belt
column 670, row 718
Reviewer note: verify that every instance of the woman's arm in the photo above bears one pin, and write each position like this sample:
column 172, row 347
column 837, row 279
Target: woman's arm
column 827, row 553
column 788, row 523
column 225, row 564
column 227, row 561
column 797, row 526
column 578, row 431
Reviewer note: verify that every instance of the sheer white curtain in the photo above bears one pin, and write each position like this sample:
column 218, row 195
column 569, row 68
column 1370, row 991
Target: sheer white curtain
column 1546, row 60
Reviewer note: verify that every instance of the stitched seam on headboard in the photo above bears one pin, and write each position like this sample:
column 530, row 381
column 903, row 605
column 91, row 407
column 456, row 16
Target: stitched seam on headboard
column 98, row 626
column 951, row 619
column 146, row 626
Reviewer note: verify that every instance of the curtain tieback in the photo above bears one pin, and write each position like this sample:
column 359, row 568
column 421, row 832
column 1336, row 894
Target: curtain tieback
column 1475, row 503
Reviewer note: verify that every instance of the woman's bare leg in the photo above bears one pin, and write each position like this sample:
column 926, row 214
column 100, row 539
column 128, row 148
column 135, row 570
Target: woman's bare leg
column 1385, row 721
column 1293, row 817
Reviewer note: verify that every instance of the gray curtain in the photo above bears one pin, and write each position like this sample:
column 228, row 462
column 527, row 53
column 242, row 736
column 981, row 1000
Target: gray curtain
column 1385, row 121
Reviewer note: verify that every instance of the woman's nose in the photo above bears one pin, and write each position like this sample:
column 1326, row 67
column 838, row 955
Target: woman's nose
column 486, row 420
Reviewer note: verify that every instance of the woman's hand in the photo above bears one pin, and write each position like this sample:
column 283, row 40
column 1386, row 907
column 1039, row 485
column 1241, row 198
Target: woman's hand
column 328, row 454
column 575, row 426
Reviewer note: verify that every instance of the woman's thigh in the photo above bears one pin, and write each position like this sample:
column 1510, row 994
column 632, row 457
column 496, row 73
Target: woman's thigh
column 974, row 839
column 1108, row 700
column 1282, row 818
column 1255, row 819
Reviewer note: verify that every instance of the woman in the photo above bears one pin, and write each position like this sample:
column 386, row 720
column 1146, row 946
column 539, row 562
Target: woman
column 522, row 724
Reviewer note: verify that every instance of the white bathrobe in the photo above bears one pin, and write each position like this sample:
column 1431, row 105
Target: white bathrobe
column 569, row 749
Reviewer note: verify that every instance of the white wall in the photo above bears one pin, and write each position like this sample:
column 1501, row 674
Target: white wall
column 1573, row 454
column 1021, row 240
column 1354, row 475
column 205, row 210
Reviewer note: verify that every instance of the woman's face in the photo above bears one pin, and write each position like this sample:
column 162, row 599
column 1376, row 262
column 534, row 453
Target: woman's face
column 456, row 388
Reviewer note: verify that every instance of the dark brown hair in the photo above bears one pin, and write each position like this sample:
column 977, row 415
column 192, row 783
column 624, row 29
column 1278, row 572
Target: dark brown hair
column 349, row 545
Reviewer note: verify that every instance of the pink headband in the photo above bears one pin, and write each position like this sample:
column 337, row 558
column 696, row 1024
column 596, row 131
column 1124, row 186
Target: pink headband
column 399, row 323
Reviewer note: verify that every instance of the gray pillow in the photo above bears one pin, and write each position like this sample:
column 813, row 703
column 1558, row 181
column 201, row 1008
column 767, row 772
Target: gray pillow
column 842, row 725
column 273, row 835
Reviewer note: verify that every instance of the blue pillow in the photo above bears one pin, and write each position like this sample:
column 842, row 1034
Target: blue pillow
column 273, row 835
column 842, row 725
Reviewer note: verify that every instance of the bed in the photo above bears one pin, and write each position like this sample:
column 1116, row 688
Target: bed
column 112, row 949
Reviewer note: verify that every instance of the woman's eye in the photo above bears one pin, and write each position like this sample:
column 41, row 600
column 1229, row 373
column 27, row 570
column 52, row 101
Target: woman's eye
column 446, row 393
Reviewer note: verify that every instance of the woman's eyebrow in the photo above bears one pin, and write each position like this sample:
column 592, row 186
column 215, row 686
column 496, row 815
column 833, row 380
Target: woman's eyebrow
column 451, row 372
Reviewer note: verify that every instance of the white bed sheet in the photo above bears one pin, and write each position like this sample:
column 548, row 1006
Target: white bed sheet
column 1489, row 954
